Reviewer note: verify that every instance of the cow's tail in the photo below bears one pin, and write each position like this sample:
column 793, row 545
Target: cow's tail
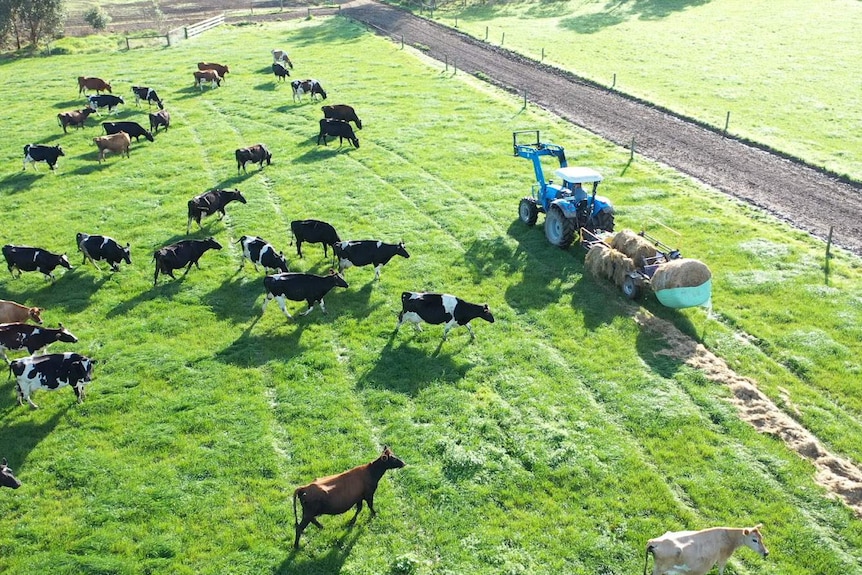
column 649, row 550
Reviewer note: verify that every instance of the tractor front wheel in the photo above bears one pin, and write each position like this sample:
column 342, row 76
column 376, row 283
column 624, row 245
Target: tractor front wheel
column 528, row 212
column 559, row 229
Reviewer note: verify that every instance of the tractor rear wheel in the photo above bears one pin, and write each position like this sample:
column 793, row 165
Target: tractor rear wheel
column 605, row 220
column 528, row 212
column 559, row 229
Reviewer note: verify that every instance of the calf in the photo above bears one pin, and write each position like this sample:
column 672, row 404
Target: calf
column 218, row 68
column 298, row 287
column 97, row 84
column 38, row 153
column 336, row 494
column 103, row 248
column 50, row 372
column 314, row 232
column 74, row 118
column 209, row 203
column 118, row 143
column 133, row 129
column 340, row 128
column 435, row 308
column 181, row 254
column 311, row 87
column 261, row 252
column 364, row 252
column 255, row 154
column 29, row 259
column 108, row 101
column 342, row 112
column 33, row 338
column 210, row 76
column 280, row 71
column 11, row 312
column 696, row 552
column 282, row 57
column 148, row 95
column 160, row 118
column 7, row 479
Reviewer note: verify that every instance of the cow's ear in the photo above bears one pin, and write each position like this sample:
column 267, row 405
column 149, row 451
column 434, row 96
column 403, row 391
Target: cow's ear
column 746, row 531
column 128, row 245
column 332, row 271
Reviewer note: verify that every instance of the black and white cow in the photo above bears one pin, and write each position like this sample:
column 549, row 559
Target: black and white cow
column 255, row 154
column 259, row 251
column 297, row 286
column 210, row 203
column 365, row 252
column 33, row 338
column 7, row 478
column 310, row 86
column 340, row 128
column 103, row 248
column 50, row 372
column 160, row 118
column 280, row 71
column 342, row 112
column 133, row 129
column 30, row 259
column 148, row 95
column 435, row 308
column 38, row 153
column 108, row 101
column 184, row 253
column 314, row 232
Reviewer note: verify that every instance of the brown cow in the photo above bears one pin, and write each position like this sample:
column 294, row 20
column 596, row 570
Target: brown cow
column 210, row 76
column 695, row 552
column 117, row 143
column 336, row 494
column 222, row 70
column 74, row 118
column 11, row 312
column 97, row 84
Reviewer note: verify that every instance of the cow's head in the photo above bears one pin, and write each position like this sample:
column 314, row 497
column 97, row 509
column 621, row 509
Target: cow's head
column 281, row 263
column 237, row 195
column 7, row 479
column 64, row 261
column 754, row 541
column 59, row 150
column 212, row 244
column 354, row 140
column 389, row 459
column 339, row 279
column 35, row 314
column 486, row 313
column 127, row 254
column 66, row 335
column 401, row 250
column 120, row 100
column 316, row 88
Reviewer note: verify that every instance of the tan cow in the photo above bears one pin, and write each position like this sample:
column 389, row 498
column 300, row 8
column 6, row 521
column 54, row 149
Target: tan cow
column 696, row 552
column 219, row 68
column 11, row 312
column 97, row 84
column 74, row 118
column 210, row 76
column 116, row 143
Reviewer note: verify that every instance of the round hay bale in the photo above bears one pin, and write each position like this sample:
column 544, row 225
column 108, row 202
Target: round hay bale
column 594, row 262
column 634, row 246
column 608, row 263
column 680, row 273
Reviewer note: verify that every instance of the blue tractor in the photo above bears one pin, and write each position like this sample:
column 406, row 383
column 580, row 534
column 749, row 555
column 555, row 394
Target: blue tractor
column 567, row 206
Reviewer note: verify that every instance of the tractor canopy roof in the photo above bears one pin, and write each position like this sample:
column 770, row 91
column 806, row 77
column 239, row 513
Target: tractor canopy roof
column 577, row 175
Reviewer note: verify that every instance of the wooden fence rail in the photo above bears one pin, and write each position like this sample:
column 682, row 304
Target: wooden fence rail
column 204, row 25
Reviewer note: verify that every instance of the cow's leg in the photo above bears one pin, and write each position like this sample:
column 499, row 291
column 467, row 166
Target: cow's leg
column 358, row 509
column 188, row 267
column 449, row 325
column 299, row 529
column 20, row 394
column 299, row 247
column 377, row 271
column 79, row 393
column 470, row 329
column 156, row 275
column 30, row 401
column 311, row 307
column 283, row 306
column 370, row 501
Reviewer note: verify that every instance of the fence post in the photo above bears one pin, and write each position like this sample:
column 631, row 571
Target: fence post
column 632, row 155
column 486, row 33
column 402, row 41
column 503, row 39
column 168, row 39
column 456, row 20
column 446, row 62
column 454, row 66
column 186, row 32
column 615, row 81
column 726, row 123
column 525, row 99
column 127, row 43
column 309, row 12
column 543, row 55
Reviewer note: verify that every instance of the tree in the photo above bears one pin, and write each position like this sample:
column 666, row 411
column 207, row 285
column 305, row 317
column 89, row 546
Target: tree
column 97, row 18
column 29, row 20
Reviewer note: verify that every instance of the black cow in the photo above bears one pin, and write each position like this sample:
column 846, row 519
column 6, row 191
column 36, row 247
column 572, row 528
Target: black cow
column 39, row 153
column 133, row 129
column 103, row 248
column 29, row 259
column 340, row 128
column 209, row 203
column 160, row 118
column 147, row 94
column 300, row 287
column 33, row 338
column 280, row 71
column 364, row 252
column 50, row 372
column 342, row 112
column 259, row 251
column 313, row 232
column 436, row 308
column 254, row 154
column 183, row 253
column 108, row 101
column 7, row 479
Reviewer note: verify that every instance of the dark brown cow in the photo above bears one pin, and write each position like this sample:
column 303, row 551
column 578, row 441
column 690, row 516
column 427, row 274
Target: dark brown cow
column 11, row 312
column 74, row 118
column 160, row 118
column 222, row 70
column 97, row 84
column 336, row 494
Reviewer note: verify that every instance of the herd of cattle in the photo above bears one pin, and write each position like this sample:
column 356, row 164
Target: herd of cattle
column 691, row 552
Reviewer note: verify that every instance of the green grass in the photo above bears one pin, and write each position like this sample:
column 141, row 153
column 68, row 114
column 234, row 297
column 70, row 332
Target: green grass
column 781, row 69
column 558, row 441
